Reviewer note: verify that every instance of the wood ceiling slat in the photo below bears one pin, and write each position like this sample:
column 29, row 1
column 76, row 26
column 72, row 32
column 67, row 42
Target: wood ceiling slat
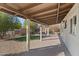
column 49, row 11
column 62, row 15
column 28, row 7
column 12, row 5
column 41, row 8
column 45, row 13
column 53, row 14
column 66, row 6
column 52, row 21
column 53, row 10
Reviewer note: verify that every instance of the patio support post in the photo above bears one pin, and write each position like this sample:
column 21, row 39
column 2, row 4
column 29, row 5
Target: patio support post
column 53, row 31
column 48, row 31
column 45, row 31
column 40, row 32
column 28, row 34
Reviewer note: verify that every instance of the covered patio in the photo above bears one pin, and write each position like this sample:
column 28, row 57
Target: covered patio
column 46, row 14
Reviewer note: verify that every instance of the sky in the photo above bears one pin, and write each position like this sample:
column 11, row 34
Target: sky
column 21, row 20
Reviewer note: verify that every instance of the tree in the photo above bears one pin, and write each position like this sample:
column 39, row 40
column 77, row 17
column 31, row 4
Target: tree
column 4, row 20
column 8, row 23
column 25, row 24
column 16, row 22
column 33, row 26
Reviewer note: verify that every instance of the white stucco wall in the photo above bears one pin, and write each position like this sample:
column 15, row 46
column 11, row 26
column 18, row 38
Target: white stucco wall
column 71, row 40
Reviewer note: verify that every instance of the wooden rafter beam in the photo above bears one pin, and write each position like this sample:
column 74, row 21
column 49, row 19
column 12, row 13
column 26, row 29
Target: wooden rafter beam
column 9, row 9
column 58, row 12
column 52, row 15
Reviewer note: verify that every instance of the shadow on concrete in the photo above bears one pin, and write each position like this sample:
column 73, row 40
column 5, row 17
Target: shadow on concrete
column 44, row 51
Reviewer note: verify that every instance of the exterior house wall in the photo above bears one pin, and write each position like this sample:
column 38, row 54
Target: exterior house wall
column 71, row 40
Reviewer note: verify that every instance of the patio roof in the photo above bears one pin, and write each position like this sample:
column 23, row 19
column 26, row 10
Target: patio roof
column 47, row 13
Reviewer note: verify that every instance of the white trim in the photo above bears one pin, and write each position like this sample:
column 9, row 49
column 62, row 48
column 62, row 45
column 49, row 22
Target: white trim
column 40, row 32
column 28, row 34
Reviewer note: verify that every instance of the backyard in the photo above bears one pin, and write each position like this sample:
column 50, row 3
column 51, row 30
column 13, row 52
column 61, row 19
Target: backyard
column 23, row 38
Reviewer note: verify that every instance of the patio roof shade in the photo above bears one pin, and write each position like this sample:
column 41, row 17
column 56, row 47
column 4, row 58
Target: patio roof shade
column 47, row 13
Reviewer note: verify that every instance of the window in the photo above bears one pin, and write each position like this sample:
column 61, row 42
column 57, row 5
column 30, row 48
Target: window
column 71, row 26
column 74, row 20
column 74, row 24
column 65, row 24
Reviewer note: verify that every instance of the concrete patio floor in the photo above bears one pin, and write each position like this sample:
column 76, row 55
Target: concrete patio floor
column 50, row 46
